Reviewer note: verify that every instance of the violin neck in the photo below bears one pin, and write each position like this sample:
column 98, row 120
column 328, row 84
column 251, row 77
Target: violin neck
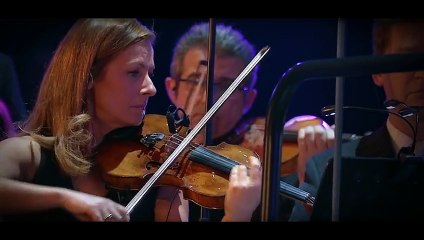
column 207, row 157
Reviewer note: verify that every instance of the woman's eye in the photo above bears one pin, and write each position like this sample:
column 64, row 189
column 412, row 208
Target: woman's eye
column 134, row 73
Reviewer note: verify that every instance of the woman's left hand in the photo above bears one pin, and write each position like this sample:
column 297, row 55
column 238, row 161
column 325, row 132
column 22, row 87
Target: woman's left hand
column 244, row 191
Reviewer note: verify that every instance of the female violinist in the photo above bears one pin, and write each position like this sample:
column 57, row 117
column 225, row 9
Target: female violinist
column 98, row 80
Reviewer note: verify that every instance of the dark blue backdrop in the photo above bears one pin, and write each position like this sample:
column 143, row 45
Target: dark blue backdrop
column 31, row 42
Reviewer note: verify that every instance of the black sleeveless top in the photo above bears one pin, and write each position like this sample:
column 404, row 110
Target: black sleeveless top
column 49, row 174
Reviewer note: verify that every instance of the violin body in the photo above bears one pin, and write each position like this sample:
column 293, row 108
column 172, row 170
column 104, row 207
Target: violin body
column 128, row 164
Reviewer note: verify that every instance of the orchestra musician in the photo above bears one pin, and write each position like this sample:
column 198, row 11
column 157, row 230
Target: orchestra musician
column 186, row 88
column 390, row 36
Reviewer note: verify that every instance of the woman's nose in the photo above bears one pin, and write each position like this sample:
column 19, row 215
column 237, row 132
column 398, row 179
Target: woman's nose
column 148, row 88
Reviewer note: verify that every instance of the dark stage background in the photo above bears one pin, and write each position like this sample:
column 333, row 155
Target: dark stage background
column 31, row 43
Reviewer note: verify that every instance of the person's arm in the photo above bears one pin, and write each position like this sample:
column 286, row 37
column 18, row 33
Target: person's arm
column 300, row 211
column 21, row 197
column 19, row 160
column 315, row 167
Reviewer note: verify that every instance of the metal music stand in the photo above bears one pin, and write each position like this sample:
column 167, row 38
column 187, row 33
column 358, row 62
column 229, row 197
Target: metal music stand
column 279, row 102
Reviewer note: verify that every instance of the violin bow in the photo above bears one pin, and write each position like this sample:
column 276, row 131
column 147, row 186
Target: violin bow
column 165, row 165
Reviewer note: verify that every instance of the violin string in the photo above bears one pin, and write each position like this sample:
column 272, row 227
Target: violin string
column 179, row 140
column 224, row 162
column 228, row 163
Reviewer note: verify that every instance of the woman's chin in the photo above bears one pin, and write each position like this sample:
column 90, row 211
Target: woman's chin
column 138, row 122
column 135, row 121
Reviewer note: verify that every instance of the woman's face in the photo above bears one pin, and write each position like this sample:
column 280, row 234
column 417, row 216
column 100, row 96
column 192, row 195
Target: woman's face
column 122, row 89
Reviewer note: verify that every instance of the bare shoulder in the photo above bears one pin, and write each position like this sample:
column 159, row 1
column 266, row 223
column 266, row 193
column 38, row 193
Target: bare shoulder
column 19, row 158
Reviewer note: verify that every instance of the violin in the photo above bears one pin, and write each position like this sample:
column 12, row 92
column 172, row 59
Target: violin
column 250, row 134
column 202, row 173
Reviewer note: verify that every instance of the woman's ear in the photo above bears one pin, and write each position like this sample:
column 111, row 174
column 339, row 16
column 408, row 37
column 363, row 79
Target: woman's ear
column 171, row 89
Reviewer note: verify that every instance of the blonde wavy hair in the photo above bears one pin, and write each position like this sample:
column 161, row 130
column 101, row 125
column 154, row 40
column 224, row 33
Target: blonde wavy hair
column 60, row 118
